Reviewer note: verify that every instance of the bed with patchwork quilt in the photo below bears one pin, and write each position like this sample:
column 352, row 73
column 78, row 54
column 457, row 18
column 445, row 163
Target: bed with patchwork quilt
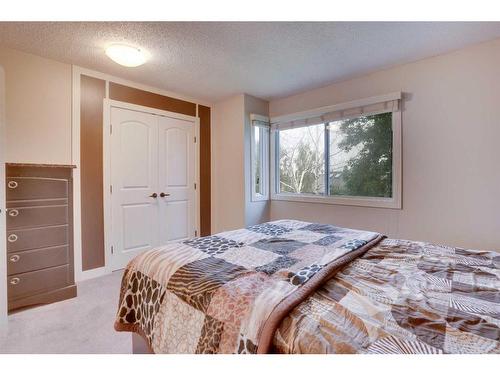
column 290, row 286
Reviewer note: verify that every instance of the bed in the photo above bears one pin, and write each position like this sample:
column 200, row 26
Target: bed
column 290, row 286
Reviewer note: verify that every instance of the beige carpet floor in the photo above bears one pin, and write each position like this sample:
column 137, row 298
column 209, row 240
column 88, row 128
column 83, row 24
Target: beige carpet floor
column 80, row 325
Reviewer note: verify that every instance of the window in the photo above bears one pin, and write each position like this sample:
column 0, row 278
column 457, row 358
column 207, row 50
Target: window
column 301, row 160
column 360, row 156
column 259, row 155
column 343, row 157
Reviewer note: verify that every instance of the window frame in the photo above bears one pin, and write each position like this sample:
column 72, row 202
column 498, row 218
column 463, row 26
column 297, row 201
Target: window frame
column 264, row 138
column 395, row 202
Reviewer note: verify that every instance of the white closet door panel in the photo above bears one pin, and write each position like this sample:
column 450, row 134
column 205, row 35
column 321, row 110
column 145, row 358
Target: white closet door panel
column 178, row 220
column 176, row 179
column 134, row 176
column 135, row 154
column 138, row 226
column 177, row 157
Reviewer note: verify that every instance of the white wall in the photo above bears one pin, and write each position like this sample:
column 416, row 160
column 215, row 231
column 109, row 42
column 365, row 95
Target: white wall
column 255, row 212
column 451, row 152
column 38, row 108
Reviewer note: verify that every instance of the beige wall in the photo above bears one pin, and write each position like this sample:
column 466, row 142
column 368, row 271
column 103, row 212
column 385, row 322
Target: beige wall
column 451, row 152
column 38, row 108
column 232, row 207
column 228, row 172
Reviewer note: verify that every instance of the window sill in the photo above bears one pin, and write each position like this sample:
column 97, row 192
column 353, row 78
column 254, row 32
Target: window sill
column 259, row 198
column 392, row 203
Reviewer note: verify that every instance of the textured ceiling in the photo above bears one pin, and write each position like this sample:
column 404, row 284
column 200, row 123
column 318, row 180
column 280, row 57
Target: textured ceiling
column 213, row 60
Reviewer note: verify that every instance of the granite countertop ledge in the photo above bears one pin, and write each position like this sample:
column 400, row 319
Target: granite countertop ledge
column 40, row 165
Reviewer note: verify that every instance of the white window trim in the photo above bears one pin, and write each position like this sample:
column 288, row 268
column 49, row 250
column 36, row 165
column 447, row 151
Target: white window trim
column 395, row 202
column 264, row 159
column 336, row 107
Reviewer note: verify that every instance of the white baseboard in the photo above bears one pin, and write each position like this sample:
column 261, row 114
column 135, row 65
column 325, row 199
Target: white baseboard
column 91, row 274
column 3, row 325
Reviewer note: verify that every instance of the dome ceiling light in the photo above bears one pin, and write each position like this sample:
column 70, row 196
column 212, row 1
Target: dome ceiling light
column 126, row 55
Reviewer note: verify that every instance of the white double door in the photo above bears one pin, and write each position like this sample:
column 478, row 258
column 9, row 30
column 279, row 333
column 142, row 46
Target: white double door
column 153, row 176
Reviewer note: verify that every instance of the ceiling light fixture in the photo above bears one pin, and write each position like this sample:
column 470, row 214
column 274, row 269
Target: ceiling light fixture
column 126, row 55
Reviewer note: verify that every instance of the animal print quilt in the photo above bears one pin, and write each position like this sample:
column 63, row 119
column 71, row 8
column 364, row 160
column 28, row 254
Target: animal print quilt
column 229, row 292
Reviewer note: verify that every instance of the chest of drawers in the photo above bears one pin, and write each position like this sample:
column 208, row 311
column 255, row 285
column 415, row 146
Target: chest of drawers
column 39, row 234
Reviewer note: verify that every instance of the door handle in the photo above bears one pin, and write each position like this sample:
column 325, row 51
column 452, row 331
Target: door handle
column 163, row 195
column 154, row 195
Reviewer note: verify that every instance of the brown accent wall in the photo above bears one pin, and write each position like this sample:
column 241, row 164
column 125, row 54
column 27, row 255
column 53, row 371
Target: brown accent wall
column 205, row 172
column 92, row 93
column 149, row 99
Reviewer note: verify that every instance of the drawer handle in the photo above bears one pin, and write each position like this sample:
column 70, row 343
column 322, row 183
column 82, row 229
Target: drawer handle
column 15, row 281
column 13, row 213
column 12, row 184
column 14, row 258
column 12, row 237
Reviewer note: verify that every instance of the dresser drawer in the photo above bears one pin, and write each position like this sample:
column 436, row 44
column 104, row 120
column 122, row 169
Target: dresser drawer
column 32, row 260
column 29, row 283
column 35, row 238
column 25, row 217
column 26, row 188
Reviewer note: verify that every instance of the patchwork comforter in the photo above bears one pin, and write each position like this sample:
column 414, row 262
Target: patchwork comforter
column 229, row 292
column 296, row 287
column 402, row 297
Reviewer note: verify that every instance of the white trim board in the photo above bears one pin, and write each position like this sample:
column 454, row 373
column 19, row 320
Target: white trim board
column 77, row 71
column 3, row 250
column 93, row 273
column 336, row 107
column 75, row 160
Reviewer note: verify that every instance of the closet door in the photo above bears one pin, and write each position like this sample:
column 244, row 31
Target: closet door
column 176, row 179
column 134, row 176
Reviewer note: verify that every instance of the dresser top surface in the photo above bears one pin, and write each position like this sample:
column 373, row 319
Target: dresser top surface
column 71, row 166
